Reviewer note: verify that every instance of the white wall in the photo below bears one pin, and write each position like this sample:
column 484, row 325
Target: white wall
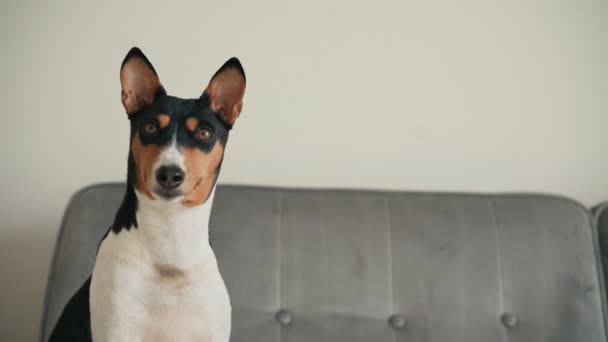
column 387, row 94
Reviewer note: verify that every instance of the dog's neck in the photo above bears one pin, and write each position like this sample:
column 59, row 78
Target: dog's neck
column 172, row 234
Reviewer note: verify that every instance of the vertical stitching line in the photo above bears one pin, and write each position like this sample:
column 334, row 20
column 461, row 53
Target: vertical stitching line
column 279, row 252
column 389, row 236
column 501, row 302
column 325, row 269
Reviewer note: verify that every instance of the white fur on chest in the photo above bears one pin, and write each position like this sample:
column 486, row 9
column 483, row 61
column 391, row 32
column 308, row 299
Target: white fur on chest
column 160, row 281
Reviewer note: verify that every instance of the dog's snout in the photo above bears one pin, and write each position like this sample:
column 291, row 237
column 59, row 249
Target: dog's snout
column 170, row 177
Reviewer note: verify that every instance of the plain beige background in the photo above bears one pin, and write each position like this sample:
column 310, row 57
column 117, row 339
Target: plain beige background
column 423, row 95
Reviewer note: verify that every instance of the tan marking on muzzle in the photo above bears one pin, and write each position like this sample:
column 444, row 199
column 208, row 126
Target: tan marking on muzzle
column 145, row 157
column 200, row 170
column 163, row 120
column 191, row 124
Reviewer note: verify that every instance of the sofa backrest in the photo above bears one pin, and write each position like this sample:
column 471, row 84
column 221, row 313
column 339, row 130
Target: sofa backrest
column 346, row 265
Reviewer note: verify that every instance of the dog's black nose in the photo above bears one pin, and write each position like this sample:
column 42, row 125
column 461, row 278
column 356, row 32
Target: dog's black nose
column 170, row 177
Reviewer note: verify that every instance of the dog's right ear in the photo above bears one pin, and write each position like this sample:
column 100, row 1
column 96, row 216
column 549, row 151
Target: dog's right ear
column 139, row 81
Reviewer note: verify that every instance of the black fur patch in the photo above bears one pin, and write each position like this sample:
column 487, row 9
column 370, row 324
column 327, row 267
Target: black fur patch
column 74, row 325
column 125, row 216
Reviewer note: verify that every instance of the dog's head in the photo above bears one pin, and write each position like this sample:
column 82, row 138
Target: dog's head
column 177, row 145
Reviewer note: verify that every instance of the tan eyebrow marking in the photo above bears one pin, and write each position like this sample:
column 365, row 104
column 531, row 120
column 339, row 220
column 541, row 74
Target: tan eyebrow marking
column 163, row 120
column 191, row 124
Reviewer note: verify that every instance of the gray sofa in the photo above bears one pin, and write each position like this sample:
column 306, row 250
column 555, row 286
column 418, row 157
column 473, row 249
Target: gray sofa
column 346, row 265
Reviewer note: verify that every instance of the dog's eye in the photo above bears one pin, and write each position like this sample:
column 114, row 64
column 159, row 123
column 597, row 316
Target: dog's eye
column 150, row 128
column 203, row 134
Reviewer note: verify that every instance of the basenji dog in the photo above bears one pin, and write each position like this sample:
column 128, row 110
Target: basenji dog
column 156, row 277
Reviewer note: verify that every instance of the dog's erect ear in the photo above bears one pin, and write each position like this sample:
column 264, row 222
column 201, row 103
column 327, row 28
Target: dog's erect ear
column 226, row 89
column 139, row 81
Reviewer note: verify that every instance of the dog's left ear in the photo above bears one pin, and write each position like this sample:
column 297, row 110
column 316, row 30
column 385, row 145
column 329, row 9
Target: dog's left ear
column 226, row 90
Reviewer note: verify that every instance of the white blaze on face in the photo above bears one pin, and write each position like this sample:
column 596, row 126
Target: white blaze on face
column 169, row 156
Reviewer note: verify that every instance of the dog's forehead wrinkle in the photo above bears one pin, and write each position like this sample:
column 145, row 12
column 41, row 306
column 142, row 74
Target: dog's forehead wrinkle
column 178, row 106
